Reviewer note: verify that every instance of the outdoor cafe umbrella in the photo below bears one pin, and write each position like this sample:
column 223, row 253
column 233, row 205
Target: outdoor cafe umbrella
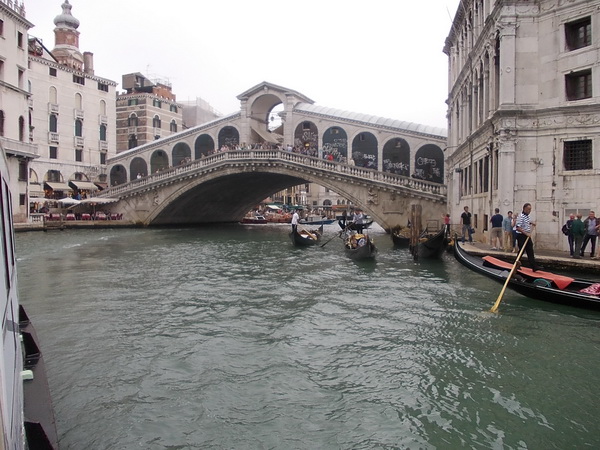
column 68, row 201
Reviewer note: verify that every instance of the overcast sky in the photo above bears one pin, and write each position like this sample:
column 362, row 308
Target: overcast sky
column 380, row 57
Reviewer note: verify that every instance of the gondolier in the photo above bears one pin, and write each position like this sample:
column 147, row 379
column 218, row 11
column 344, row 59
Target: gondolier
column 524, row 227
column 295, row 219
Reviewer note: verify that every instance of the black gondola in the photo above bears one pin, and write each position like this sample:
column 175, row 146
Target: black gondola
column 304, row 238
column 401, row 237
column 351, row 226
column 365, row 247
column 538, row 285
column 431, row 245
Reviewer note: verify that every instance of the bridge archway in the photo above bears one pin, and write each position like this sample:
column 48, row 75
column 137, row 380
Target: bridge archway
column 396, row 157
column 203, row 146
column 306, row 136
column 335, row 142
column 181, row 153
column 138, row 165
column 429, row 163
column 364, row 150
column 159, row 161
column 118, row 175
column 229, row 137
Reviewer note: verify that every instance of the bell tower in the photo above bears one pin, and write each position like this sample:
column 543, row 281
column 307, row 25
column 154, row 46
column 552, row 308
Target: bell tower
column 66, row 39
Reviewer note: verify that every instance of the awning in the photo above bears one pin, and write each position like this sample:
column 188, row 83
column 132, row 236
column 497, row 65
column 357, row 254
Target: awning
column 83, row 185
column 273, row 207
column 57, row 186
column 38, row 199
column 68, row 201
column 268, row 137
column 102, row 186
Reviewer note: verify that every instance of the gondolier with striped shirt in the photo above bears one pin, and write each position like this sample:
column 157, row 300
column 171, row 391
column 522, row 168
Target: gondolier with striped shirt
column 524, row 227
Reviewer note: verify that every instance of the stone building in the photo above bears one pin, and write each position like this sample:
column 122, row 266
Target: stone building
column 524, row 112
column 198, row 111
column 16, row 138
column 73, row 116
column 146, row 111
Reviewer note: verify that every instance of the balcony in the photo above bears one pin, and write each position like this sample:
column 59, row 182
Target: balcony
column 53, row 108
column 132, row 130
column 78, row 113
column 52, row 137
column 78, row 141
column 103, row 145
column 30, row 103
column 157, row 132
column 102, row 119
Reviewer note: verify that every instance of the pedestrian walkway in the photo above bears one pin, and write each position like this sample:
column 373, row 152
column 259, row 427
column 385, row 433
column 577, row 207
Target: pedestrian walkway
column 548, row 259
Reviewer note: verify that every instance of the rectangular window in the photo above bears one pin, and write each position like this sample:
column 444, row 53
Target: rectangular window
column 21, row 76
column 579, row 85
column 22, row 170
column 52, row 71
column 103, row 87
column 173, row 108
column 578, row 155
column 1, row 69
column 156, row 103
column 1, row 27
column 53, row 152
column 578, row 34
column 19, row 39
column 132, row 102
column 78, row 155
column 22, row 198
column 102, row 158
column 78, row 79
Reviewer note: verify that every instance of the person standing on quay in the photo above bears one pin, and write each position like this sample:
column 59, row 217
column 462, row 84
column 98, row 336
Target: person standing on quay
column 496, row 232
column 465, row 218
column 507, row 227
column 570, row 237
column 524, row 227
column 578, row 232
column 591, row 233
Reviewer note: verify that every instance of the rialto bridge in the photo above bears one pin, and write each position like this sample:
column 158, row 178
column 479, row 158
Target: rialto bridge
column 217, row 171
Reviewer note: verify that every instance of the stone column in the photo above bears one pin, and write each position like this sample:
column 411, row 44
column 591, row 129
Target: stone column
column 506, row 168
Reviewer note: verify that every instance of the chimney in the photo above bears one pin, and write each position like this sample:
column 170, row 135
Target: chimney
column 88, row 63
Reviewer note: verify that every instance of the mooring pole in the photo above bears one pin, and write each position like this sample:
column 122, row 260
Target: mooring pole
column 415, row 230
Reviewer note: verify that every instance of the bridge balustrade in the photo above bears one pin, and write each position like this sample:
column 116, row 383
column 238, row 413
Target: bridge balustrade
column 318, row 163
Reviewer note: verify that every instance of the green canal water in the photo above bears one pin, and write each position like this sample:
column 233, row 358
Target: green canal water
column 230, row 338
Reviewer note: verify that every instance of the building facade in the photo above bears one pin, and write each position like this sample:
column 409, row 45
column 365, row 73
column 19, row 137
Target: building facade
column 524, row 112
column 146, row 111
column 73, row 117
column 16, row 138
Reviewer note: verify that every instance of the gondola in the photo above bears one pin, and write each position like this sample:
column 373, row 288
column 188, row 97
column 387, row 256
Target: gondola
column 538, row 285
column 401, row 237
column 365, row 248
column 306, row 238
column 351, row 226
column 431, row 245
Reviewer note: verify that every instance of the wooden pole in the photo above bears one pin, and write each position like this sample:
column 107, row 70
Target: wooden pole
column 415, row 230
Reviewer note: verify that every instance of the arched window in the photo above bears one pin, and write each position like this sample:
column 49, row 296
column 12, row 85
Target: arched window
column 132, row 121
column 78, row 128
column 52, row 96
column 21, row 129
column 102, row 107
column 173, row 126
column 78, row 101
column 53, row 123
column 103, row 132
column 156, row 122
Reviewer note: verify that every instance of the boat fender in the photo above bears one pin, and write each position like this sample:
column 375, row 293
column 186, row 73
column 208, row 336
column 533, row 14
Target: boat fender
column 26, row 375
column 542, row 282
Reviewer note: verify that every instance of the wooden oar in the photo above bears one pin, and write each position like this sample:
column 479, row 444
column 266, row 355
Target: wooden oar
column 514, row 267
column 338, row 235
